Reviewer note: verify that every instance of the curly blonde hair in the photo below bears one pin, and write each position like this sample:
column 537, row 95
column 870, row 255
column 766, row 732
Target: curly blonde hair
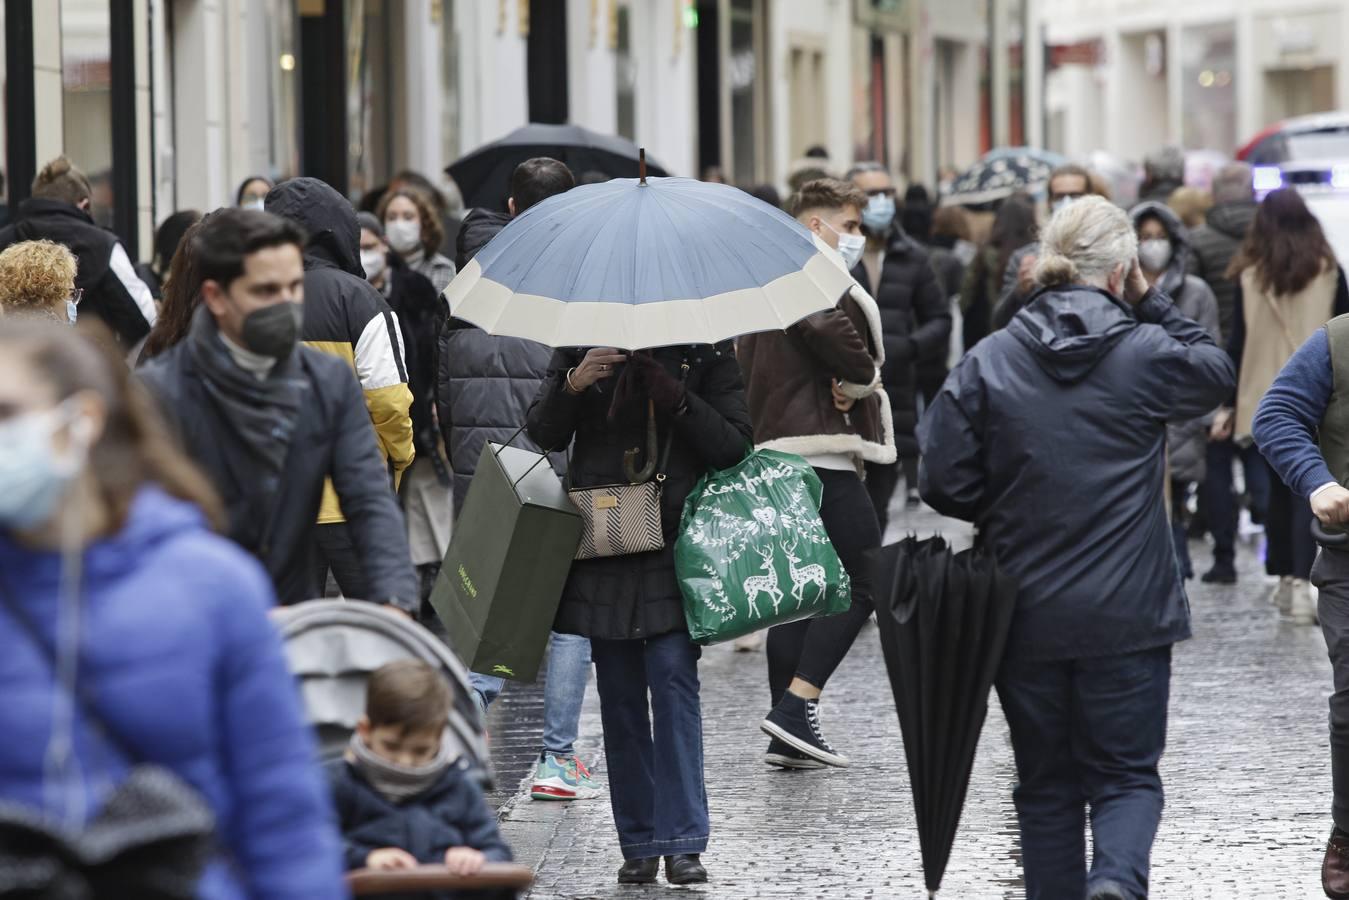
column 37, row 277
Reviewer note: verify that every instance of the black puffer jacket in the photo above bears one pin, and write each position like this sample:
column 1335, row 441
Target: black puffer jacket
column 916, row 320
column 637, row 596
column 112, row 290
column 485, row 383
column 1213, row 245
column 414, row 301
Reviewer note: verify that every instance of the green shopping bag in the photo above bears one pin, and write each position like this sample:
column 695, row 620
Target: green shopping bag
column 752, row 551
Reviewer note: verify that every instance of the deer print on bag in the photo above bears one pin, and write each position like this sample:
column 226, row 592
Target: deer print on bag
column 811, row 574
column 763, row 584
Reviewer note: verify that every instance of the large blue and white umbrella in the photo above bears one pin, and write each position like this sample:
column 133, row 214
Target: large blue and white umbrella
column 636, row 265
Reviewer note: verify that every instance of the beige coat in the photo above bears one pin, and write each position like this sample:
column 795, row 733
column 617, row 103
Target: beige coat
column 1275, row 328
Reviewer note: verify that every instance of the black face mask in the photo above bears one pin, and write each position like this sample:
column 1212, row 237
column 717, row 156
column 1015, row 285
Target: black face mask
column 273, row 330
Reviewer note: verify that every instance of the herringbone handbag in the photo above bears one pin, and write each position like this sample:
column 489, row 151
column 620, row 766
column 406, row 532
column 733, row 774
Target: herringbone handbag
column 619, row 519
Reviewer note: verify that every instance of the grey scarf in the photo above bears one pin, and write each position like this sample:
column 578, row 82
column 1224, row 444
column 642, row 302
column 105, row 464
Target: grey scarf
column 394, row 782
column 262, row 412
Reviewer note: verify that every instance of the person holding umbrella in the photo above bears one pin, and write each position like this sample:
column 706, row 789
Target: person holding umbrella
column 622, row 267
column 630, row 606
column 1061, row 418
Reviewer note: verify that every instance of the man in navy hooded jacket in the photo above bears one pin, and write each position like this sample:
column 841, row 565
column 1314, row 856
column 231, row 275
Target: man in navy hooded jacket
column 1051, row 437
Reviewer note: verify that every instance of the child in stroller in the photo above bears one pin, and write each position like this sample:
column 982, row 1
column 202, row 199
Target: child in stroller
column 402, row 795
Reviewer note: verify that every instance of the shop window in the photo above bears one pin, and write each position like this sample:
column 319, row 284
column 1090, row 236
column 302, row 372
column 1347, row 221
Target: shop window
column 1208, row 67
column 86, row 98
column 371, row 87
column 744, row 80
column 625, row 71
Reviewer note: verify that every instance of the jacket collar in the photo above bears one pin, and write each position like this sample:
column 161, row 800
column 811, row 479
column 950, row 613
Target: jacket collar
column 35, row 207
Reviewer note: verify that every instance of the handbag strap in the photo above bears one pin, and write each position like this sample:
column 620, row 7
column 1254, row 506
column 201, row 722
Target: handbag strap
column 79, row 690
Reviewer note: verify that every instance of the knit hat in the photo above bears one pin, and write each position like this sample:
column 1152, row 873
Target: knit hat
column 370, row 222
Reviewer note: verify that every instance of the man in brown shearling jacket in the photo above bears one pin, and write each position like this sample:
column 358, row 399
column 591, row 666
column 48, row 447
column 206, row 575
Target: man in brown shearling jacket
column 815, row 390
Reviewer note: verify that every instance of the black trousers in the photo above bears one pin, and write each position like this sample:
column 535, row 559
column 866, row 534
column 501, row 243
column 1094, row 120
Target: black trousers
column 335, row 551
column 1289, row 548
column 1331, row 576
column 813, row 648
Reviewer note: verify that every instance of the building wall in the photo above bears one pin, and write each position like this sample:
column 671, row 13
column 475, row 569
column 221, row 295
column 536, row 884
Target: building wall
column 1287, row 61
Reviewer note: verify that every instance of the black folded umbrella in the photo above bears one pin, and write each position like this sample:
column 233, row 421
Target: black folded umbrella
column 943, row 619
column 484, row 176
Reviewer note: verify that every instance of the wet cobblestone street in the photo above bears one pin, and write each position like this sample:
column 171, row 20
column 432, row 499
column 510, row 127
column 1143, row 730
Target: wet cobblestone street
column 1247, row 775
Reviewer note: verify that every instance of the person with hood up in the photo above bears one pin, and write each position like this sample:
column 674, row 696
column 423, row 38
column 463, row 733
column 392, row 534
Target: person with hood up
column 58, row 211
column 1213, row 246
column 1050, row 436
column 270, row 421
column 1163, row 253
column 345, row 316
column 136, row 640
column 815, row 390
column 897, row 271
column 485, row 387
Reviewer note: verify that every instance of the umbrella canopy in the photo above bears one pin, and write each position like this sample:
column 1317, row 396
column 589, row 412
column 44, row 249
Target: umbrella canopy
column 943, row 621
column 484, row 176
column 636, row 265
column 1002, row 173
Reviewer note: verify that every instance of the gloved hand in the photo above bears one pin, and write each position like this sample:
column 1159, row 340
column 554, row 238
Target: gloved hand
column 654, row 381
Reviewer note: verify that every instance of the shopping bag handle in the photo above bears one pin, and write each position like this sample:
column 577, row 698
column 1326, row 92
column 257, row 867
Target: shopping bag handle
column 509, row 441
column 1326, row 538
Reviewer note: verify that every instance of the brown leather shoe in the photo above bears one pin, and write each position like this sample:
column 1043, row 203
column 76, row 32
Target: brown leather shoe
column 1335, row 867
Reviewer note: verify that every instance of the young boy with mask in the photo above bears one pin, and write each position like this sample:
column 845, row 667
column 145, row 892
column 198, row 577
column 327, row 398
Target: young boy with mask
column 403, row 798
column 815, row 390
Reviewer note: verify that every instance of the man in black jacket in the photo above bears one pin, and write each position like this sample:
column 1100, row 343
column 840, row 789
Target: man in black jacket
column 58, row 210
column 897, row 271
column 269, row 420
column 485, row 387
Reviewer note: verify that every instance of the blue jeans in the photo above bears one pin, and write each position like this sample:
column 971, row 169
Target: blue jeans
column 1087, row 733
column 655, row 762
column 564, row 690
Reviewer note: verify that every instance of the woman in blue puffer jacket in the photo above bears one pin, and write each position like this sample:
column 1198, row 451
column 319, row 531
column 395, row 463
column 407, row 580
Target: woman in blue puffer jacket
column 105, row 551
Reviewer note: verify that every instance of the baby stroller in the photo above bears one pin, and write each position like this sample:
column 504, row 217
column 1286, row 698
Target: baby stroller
column 333, row 646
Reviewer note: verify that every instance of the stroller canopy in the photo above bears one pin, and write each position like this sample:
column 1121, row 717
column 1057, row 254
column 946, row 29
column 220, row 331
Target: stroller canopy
column 334, row 645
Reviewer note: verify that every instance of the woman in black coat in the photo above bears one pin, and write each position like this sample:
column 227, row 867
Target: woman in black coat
column 630, row 606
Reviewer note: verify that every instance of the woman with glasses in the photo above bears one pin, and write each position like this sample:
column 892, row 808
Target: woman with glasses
column 37, row 278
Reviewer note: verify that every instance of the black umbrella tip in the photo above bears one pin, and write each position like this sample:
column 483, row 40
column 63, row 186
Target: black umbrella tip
column 641, row 164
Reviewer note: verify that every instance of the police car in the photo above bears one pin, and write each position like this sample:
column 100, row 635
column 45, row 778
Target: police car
column 1311, row 154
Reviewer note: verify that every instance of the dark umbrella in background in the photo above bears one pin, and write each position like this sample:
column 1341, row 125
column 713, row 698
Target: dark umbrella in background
column 943, row 620
column 1001, row 173
column 484, row 176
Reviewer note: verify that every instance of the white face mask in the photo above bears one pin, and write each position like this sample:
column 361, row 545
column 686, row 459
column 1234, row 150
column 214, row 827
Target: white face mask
column 850, row 246
column 33, row 477
column 252, row 203
column 405, row 235
column 373, row 262
column 1154, row 255
column 1061, row 204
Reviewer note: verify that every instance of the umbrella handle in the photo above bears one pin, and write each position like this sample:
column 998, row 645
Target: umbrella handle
column 1336, row 539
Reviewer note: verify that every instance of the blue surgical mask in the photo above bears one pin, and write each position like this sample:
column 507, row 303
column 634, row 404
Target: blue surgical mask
column 33, row 477
column 72, row 311
column 879, row 214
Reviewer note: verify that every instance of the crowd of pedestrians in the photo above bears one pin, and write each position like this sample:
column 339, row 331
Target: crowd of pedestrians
column 279, row 406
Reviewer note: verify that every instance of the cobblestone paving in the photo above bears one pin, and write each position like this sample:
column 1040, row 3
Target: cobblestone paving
column 1247, row 777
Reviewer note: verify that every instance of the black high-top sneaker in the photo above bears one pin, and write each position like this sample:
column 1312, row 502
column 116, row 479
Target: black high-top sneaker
column 796, row 722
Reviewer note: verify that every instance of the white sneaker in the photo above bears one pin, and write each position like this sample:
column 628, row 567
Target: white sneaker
column 1302, row 603
column 1282, row 594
